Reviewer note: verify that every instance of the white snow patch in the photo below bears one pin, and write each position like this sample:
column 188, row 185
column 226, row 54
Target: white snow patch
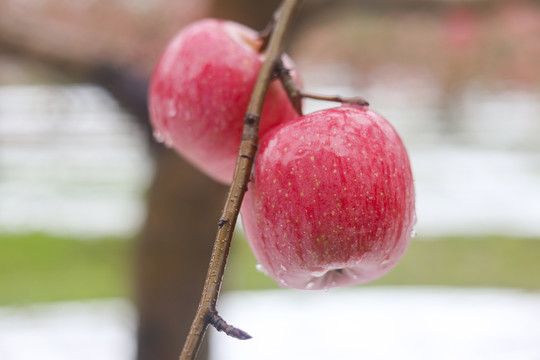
column 382, row 323
column 87, row 330
column 355, row 323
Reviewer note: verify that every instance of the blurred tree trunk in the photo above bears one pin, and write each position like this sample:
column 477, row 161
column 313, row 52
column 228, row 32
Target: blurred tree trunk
column 173, row 249
column 254, row 14
column 173, row 253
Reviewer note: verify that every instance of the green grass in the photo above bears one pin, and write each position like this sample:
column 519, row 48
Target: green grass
column 42, row 268
column 39, row 268
column 453, row 261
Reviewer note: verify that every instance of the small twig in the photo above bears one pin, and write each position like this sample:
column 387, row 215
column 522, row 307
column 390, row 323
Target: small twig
column 296, row 94
column 221, row 325
column 206, row 311
column 354, row 100
column 290, row 86
column 266, row 33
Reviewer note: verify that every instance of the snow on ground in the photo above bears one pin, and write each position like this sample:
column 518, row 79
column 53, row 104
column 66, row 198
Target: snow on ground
column 357, row 323
column 383, row 323
column 86, row 330
column 474, row 191
column 71, row 162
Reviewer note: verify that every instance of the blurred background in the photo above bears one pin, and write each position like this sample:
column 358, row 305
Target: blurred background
column 105, row 235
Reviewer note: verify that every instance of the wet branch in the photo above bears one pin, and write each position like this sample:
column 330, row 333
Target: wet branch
column 206, row 312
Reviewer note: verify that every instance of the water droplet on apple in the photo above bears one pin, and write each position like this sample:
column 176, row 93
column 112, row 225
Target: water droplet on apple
column 158, row 137
column 283, row 282
column 413, row 233
column 318, row 274
column 261, row 269
column 309, row 285
column 283, row 268
column 168, row 141
column 171, row 112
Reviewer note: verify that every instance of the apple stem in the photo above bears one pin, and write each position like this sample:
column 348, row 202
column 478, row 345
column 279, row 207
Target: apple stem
column 353, row 100
column 291, row 87
column 296, row 94
column 206, row 312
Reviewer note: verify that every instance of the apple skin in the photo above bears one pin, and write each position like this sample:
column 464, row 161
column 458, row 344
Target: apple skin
column 200, row 90
column 332, row 200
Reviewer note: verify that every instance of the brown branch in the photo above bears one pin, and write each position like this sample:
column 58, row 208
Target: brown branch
column 290, row 86
column 266, row 33
column 354, row 100
column 296, row 94
column 242, row 172
column 221, row 325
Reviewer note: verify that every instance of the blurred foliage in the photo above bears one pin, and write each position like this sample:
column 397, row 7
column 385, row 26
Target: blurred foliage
column 450, row 261
column 42, row 268
column 39, row 267
column 493, row 43
column 464, row 261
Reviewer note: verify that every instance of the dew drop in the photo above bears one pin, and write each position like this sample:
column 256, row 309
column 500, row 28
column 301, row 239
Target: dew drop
column 318, row 274
column 168, row 141
column 413, row 233
column 282, row 282
column 283, row 268
column 261, row 269
column 172, row 110
column 159, row 137
column 309, row 285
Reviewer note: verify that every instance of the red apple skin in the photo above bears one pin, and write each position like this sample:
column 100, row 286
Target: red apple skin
column 332, row 201
column 200, row 90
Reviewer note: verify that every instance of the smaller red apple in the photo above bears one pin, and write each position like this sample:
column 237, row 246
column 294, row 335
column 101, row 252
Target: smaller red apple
column 200, row 90
column 332, row 199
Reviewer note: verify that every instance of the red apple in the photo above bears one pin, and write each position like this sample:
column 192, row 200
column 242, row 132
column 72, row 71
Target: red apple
column 332, row 199
column 200, row 90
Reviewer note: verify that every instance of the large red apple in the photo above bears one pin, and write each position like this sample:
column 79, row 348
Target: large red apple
column 332, row 199
column 200, row 90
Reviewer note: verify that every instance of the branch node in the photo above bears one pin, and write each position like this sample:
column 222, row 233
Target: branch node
column 250, row 119
column 217, row 321
column 222, row 222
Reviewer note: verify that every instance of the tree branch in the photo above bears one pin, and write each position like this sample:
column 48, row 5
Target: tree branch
column 250, row 136
column 296, row 94
column 353, row 100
